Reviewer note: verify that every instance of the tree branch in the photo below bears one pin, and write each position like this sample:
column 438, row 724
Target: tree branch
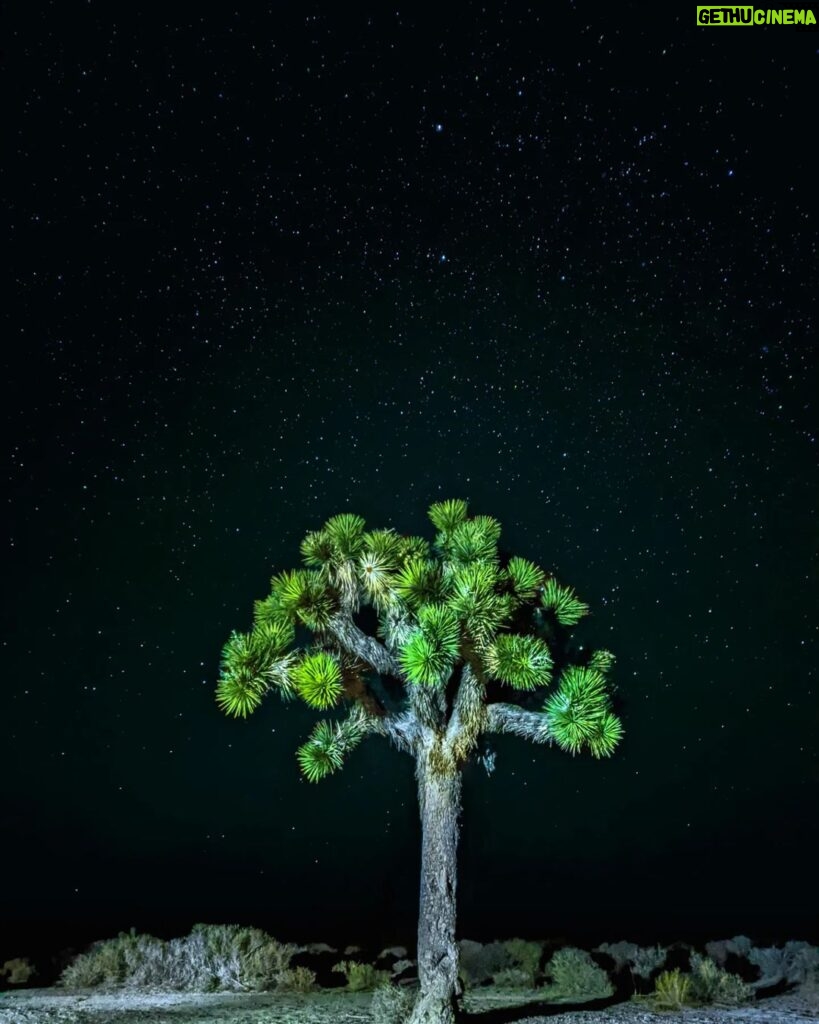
column 402, row 730
column 468, row 714
column 509, row 718
column 367, row 648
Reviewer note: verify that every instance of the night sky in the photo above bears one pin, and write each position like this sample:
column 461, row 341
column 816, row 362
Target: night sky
column 273, row 262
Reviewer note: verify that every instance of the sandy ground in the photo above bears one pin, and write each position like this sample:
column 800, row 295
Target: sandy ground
column 90, row 1006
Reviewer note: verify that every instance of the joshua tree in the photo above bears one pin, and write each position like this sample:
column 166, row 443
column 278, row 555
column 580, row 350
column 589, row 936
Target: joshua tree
column 431, row 645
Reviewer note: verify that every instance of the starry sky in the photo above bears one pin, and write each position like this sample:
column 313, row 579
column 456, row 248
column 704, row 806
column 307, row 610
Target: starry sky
column 272, row 262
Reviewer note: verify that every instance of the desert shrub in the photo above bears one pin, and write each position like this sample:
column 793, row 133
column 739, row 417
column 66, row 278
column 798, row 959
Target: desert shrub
column 641, row 960
column 512, row 977
column 574, row 973
column 391, row 1005
column 296, row 979
column 211, row 958
column 622, row 953
column 672, row 990
column 793, row 962
column 710, row 984
column 361, row 977
column 809, row 989
column 719, row 950
column 104, row 963
column 647, row 959
column 18, row 970
column 525, row 958
column 479, row 963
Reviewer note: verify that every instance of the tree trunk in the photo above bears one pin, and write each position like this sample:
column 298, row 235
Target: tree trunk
column 439, row 794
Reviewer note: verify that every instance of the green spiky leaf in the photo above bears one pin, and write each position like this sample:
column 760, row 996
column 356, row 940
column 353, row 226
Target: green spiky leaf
column 526, row 577
column 475, row 540
column 602, row 660
column 418, row 582
column 446, row 515
column 317, row 679
column 423, row 662
column 609, row 733
column 523, row 662
column 564, row 602
column 271, row 639
column 346, row 533
column 385, row 545
column 302, row 596
column 576, row 711
column 239, row 693
column 375, row 572
column 317, row 549
column 322, row 754
column 414, row 547
column 440, row 625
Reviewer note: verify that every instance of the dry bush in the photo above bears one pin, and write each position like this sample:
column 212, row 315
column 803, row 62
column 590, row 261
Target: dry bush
column 525, row 957
column 574, row 973
column 391, row 1005
column 18, row 970
column 211, row 958
column 361, row 977
column 296, row 979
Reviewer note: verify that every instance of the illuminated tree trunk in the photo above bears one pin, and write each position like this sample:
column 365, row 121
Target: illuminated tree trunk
column 439, row 793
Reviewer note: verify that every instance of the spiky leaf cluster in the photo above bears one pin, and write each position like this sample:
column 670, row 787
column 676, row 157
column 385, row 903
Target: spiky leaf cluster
column 324, row 752
column 564, row 602
column 246, row 661
column 300, row 596
column 523, row 662
column 602, row 660
column 475, row 599
column 317, row 679
column 428, row 656
column 579, row 713
column 525, row 576
column 447, row 515
column 419, row 582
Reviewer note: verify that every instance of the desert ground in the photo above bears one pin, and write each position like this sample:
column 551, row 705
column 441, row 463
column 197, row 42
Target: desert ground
column 92, row 1006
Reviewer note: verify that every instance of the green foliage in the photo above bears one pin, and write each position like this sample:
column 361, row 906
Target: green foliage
column 575, row 974
column 672, row 990
column 386, row 546
column 391, row 1005
column 241, row 683
column 317, row 679
column 346, row 535
column 322, row 754
column 361, row 977
column 447, row 515
column 419, row 582
column 527, row 578
column 524, row 662
column 440, row 626
column 301, row 595
column 423, row 661
column 438, row 606
column 474, row 599
column 602, row 660
column 579, row 712
column 474, row 540
column 525, row 958
column 564, row 602
column 317, row 549
column 376, row 574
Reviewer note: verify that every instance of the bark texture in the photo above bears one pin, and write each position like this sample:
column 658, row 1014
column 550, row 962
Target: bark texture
column 439, row 794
